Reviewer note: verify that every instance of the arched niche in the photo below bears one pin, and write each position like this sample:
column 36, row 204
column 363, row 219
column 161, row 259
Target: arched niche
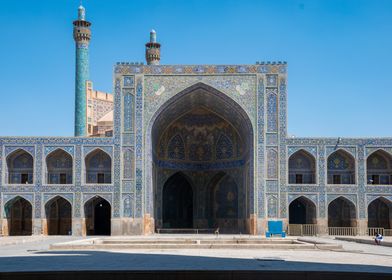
column 380, row 213
column 19, row 214
column 20, row 166
column 59, row 167
column 341, row 168
column 302, row 211
column 58, row 212
column 342, row 213
column 223, row 204
column 98, row 167
column 302, row 168
column 379, row 168
column 97, row 213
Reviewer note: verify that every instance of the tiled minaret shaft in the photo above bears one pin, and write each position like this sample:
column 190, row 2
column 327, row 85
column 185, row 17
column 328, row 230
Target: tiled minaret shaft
column 82, row 35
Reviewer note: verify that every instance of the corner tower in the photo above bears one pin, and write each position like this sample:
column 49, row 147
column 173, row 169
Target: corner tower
column 82, row 36
column 153, row 50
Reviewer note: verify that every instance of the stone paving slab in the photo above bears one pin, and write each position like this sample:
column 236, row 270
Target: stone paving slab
column 35, row 256
column 13, row 240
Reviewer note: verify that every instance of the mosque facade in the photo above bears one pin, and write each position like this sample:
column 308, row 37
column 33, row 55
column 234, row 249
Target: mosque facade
column 189, row 147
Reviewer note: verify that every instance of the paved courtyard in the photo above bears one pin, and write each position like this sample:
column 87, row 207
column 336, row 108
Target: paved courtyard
column 33, row 254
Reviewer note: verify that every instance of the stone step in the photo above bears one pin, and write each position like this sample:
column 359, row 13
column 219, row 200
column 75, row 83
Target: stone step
column 110, row 243
column 195, row 241
column 178, row 246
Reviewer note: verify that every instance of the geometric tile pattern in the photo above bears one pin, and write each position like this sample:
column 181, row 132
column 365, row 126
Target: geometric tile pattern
column 140, row 92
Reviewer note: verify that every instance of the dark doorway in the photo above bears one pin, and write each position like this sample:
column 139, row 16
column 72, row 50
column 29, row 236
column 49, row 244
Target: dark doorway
column 19, row 215
column 302, row 211
column 98, row 216
column 177, row 203
column 297, row 213
column 59, row 216
column 379, row 212
column 341, row 213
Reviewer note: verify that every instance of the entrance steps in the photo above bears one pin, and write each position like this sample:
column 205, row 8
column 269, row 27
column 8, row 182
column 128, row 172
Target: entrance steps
column 221, row 242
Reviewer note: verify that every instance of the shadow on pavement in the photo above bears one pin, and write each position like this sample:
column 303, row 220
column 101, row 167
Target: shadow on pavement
column 98, row 265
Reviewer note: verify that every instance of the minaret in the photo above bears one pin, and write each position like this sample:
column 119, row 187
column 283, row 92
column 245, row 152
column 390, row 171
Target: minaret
column 153, row 50
column 82, row 35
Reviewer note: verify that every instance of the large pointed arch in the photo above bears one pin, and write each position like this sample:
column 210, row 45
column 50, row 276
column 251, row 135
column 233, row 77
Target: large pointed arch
column 201, row 157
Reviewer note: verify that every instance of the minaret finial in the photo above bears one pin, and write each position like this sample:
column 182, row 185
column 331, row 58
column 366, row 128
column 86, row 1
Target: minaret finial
column 153, row 49
column 81, row 12
column 153, row 36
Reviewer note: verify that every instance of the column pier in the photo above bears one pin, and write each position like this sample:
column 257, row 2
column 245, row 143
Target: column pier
column 362, row 226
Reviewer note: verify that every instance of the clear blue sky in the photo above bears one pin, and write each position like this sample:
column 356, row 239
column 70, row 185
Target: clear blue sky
column 339, row 55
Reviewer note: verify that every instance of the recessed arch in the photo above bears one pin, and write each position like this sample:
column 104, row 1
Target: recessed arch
column 129, row 163
column 97, row 213
column 59, row 167
column 20, row 167
column 380, row 213
column 128, row 210
column 210, row 197
column 341, row 168
column 272, row 163
column 342, row 213
column 58, row 212
column 200, row 114
column 98, row 165
column 379, row 168
column 302, row 210
column 176, row 147
column 223, row 203
column 224, row 147
column 302, row 168
column 19, row 214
